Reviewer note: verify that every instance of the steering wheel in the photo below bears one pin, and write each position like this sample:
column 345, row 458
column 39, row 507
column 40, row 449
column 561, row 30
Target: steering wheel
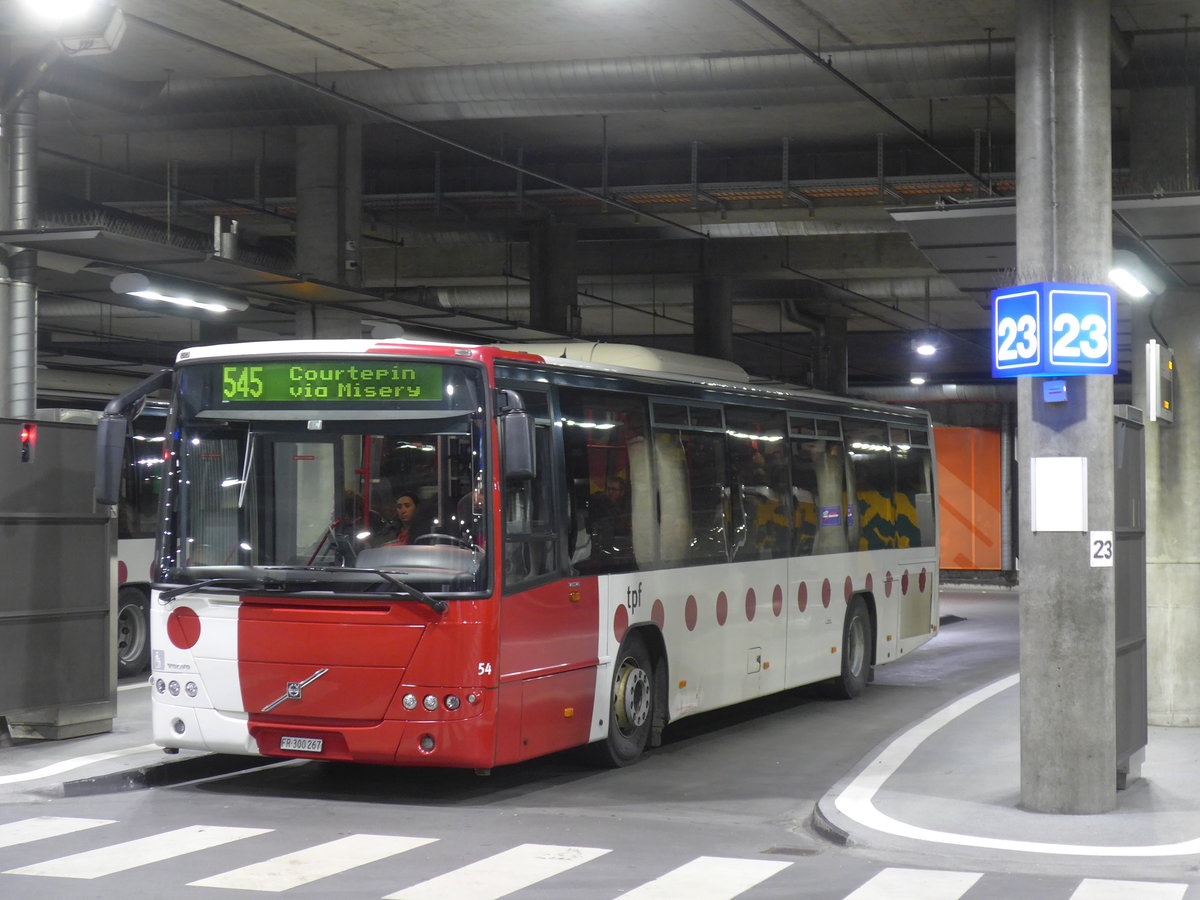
column 450, row 539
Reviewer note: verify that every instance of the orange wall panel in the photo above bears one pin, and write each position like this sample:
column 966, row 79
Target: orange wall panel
column 968, row 461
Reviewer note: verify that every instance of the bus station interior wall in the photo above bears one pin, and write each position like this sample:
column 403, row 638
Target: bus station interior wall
column 969, row 497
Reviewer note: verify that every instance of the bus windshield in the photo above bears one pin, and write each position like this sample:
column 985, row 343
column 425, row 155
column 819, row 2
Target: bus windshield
column 311, row 497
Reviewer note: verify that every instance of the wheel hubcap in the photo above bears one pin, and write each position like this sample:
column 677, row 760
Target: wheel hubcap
column 632, row 698
column 858, row 645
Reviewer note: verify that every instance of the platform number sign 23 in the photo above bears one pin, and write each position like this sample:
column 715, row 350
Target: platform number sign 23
column 1052, row 328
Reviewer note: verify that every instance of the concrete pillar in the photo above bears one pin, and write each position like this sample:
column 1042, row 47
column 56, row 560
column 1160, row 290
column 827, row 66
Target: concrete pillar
column 327, row 322
column 329, row 202
column 329, row 220
column 1173, row 520
column 712, row 317
column 831, row 359
column 1067, row 613
column 553, row 278
column 1162, row 139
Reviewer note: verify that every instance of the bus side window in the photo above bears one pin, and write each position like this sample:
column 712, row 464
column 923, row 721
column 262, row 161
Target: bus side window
column 689, row 445
column 608, row 474
column 915, row 525
column 874, row 483
column 759, row 497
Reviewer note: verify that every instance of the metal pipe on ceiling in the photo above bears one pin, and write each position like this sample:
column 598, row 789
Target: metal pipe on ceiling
column 558, row 88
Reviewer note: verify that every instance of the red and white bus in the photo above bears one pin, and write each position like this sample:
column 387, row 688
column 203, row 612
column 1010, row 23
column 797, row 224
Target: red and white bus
column 610, row 539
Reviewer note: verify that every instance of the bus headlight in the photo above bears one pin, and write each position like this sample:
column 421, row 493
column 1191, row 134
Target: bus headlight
column 452, row 702
column 173, row 687
column 431, row 702
column 409, row 701
column 191, row 689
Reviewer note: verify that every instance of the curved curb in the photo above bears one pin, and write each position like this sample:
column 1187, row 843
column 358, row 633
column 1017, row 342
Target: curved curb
column 825, row 828
column 853, row 797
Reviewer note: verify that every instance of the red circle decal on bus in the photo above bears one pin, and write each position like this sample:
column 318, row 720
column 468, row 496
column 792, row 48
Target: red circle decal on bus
column 921, row 581
column 722, row 608
column 870, row 583
column 691, row 612
column 620, row 622
column 777, row 600
column 658, row 614
column 122, row 572
column 751, row 604
column 849, row 589
column 904, row 582
column 183, row 628
column 802, row 596
column 826, row 593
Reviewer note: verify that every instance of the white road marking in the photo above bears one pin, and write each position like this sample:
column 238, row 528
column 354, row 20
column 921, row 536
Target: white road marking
column 140, row 852
column 707, row 878
column 283, row 873
column 78, row 762
column 500, row 875
column 1103, row 889
column 857, row 800
column 916, row 884
column 26, row 830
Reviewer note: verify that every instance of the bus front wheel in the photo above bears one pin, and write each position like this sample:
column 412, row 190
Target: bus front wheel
column 857, row 640
column 133, row 632
column 631, row 705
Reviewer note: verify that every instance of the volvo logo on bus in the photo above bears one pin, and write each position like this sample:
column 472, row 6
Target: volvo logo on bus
column 295, row 689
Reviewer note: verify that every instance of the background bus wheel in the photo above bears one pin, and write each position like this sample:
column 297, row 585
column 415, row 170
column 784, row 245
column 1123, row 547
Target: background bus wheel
column 857, row 640
column 133, row 632
column 630, row 708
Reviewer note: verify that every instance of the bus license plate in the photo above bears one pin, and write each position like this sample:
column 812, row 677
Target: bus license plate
column 307, row 745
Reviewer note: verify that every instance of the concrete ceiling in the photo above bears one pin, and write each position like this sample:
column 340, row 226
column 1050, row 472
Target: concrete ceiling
column 703, row 114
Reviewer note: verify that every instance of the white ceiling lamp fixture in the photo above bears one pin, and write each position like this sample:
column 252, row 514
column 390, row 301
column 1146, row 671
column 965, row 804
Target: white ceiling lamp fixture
column 1133, row 277
column 917, row 378
column 924, row 345
column 191, row 296
column 83, row 27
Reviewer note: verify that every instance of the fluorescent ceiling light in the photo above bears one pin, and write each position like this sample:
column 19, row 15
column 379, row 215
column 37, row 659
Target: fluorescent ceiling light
column 1133, row 277
column 193, row 297
column 917, row 378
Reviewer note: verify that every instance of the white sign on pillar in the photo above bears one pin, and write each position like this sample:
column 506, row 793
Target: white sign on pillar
column 1058, row 493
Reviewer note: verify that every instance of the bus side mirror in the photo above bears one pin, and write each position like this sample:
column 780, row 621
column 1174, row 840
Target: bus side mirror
column 110, row 435
column 110, row 452
column 518, row 458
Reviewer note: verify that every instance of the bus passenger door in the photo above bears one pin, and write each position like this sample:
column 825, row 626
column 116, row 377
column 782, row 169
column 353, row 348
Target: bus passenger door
column 548, row 621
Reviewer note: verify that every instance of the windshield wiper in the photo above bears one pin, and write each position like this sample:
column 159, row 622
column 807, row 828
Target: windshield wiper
column 438, row 605
column 263, row 584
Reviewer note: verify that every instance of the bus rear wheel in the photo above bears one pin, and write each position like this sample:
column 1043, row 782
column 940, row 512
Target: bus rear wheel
column 857, row 640
column 630, row 707
column 133, row 632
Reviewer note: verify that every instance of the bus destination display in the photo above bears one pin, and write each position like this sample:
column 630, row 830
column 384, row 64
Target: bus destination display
column 345, row 381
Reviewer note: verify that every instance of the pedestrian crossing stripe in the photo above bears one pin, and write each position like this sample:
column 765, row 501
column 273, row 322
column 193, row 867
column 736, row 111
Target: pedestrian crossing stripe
column 140, row 852
column 500, row 875
column 497, row 876
column 1102, row 889
column 708, row 878
column 916, row 884
column 282, row 873
column 28, row 830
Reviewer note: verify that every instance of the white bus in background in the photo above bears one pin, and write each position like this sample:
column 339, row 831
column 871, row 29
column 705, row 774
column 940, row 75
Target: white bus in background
column 137, row 520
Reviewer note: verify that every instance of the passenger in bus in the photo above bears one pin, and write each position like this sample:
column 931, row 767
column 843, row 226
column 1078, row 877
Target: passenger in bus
column 409, row 524
column 609, row 513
